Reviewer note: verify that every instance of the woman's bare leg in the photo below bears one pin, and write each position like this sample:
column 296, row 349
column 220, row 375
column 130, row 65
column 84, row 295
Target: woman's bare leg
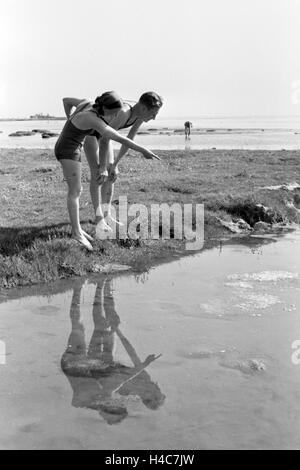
column 107, row 191
column 72, row 174
column 91, row 149
column 92, row 154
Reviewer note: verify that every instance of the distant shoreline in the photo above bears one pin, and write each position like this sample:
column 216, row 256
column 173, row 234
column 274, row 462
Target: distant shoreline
column 33, row 119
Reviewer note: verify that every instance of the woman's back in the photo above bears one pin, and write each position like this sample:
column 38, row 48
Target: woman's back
column 74, row 132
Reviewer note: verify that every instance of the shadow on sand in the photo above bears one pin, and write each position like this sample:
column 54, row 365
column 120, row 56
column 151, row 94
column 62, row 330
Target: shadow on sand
column 13, row 240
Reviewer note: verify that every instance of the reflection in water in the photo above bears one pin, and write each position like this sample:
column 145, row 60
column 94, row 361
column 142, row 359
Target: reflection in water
column 98, row 381
column 220, row 247
column 188, row 145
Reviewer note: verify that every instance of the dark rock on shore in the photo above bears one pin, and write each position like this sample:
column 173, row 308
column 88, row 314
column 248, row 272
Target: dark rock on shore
column 250, row 366
column 21, row 134
column 262, row 227
column 40, row 131
column 252, row 213
column 235, row 226
column 47, row 135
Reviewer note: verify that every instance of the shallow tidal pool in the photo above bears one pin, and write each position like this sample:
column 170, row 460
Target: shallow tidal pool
column 197, row 354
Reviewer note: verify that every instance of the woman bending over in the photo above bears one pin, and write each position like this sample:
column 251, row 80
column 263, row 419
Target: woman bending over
column 89, row 121
column 131, row 116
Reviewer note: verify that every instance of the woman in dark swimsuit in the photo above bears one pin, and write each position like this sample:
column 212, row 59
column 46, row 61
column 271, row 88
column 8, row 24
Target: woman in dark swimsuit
column 88, row 121
column 129, row 116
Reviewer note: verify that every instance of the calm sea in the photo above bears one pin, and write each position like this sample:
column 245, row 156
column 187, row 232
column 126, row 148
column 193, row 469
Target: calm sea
column 270, row 133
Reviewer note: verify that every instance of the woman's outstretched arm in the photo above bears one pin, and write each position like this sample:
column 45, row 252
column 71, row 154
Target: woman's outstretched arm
column 131, row 135
column 108, row 132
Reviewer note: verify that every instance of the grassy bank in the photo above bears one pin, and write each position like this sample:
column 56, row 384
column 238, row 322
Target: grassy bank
column 35, row 244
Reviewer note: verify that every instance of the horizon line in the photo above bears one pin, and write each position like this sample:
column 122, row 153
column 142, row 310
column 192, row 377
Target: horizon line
column 201, row 116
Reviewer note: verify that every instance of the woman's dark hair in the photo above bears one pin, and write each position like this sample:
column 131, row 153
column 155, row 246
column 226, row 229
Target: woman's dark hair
column 109, row 99
column 151, row 100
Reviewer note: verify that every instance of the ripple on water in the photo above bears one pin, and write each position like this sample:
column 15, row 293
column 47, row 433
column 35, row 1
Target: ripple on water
column 248, row 366
column 264, row 276
column 249, row 289
column 239, row 285
column 258, row 301
column 230, row 358
column 29, row 428
column 47, row 310
column 213, row 308
column 241, row 301
column 206, row 353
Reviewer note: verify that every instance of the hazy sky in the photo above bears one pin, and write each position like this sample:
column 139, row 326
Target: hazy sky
column 205, row 57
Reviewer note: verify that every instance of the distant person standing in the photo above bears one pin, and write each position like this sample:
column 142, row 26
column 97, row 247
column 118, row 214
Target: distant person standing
column 187, row 129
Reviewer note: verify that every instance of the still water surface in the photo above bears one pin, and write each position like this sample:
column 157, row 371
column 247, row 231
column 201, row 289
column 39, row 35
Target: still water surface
column 220, row 133
column 83, row 368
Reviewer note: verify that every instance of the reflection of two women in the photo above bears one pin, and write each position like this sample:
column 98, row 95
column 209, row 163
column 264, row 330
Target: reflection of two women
column 97, row 380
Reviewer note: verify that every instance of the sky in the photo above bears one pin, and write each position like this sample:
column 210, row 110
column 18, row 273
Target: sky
column 204, row 57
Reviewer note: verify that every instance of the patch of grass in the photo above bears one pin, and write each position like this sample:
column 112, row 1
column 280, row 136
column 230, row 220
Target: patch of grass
column 35, row 244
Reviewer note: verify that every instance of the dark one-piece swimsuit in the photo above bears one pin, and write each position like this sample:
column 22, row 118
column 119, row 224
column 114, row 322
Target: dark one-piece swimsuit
column 70, row 141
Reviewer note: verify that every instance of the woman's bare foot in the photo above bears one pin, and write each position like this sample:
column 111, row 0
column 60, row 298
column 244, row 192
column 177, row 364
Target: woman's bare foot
column 82, row 241
column 87, row 236
column 103, row 230
column 110, row 219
